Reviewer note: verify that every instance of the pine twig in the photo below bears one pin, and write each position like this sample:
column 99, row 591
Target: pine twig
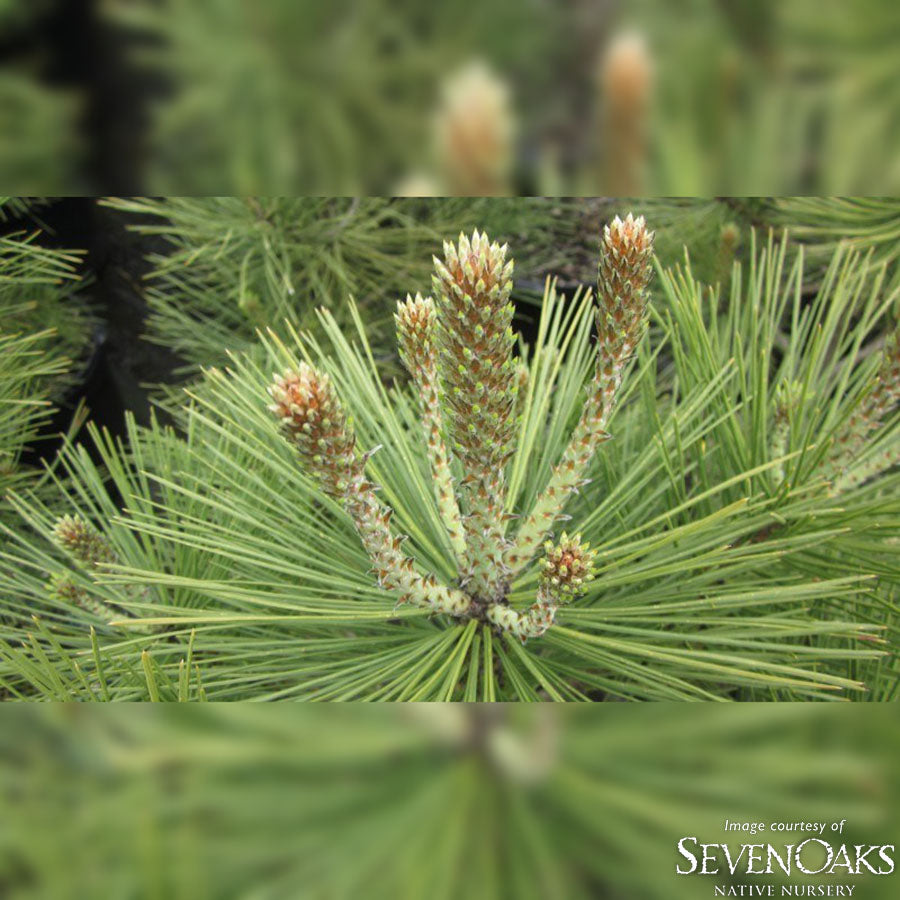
column 416, row 332
column 623, row 275
column 475, row 341
column 313, row 418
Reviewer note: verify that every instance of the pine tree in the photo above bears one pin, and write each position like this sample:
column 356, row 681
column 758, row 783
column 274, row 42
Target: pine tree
column 642, row 513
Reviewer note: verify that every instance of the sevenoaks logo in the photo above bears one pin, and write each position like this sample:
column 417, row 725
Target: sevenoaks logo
column 809, row 849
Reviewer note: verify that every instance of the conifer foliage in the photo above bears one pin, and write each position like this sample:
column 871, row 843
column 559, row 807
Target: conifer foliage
column 460, row 355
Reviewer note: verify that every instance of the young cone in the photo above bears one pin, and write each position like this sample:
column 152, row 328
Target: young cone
column 566, row 570
column 91, row 550
column 416, row 332
column 83, row 542
column 63, row 589
column 624, row 272
column 312, row 416
column 479, row 380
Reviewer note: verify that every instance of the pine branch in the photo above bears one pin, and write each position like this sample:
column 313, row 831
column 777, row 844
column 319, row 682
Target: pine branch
column 416, row 335
column 710, row 585
column 623, row 275
column 313, row 418
column 475, row 341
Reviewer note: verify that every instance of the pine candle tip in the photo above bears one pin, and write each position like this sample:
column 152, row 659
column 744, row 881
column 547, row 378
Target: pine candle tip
column 416, row 320
column 623, row 274
column 311, row 414
column 68, row 530
column 475, row 267
column 628, row 234
column 415, row 315
column 788, row 395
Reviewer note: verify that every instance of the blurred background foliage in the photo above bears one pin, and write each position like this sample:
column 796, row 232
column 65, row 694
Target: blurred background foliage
column 536, row 97
column 39, row 139
column 424, row 800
